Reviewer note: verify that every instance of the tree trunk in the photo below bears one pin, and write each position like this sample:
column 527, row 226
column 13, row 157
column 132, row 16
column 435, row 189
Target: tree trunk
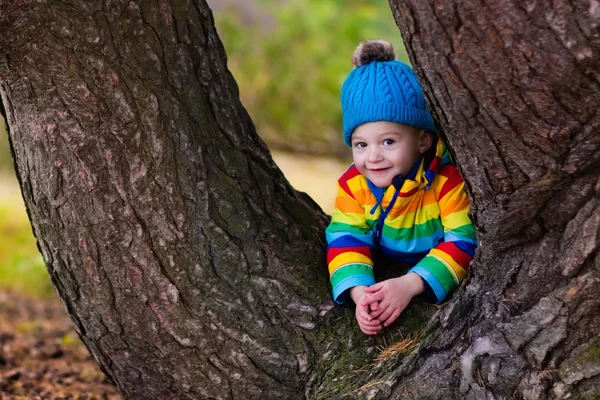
column 515, row 87
column 188, row 264
column 192, row 269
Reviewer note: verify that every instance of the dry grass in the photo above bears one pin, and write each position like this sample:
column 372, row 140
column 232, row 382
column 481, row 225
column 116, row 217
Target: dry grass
column 453, row 367
column 369, row 385
column 404, row 345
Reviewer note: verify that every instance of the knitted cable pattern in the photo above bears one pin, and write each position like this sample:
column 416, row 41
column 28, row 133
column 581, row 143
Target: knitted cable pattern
column 383, row 91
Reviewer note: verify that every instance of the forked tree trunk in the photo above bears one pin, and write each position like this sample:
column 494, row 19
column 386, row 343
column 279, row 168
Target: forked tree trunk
column 192, row 269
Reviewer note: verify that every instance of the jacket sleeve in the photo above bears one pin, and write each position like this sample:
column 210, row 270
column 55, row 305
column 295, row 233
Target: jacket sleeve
column 445, row 267
column 350, row 241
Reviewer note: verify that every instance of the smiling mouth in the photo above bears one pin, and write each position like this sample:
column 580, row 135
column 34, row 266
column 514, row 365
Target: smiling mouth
column 378, row 169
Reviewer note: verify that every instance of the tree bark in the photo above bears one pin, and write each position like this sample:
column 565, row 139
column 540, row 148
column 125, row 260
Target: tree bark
column 192, row 269
column 186, row 261
column 515, row 88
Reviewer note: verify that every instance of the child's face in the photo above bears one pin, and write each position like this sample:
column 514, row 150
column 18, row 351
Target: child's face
column 382, row 150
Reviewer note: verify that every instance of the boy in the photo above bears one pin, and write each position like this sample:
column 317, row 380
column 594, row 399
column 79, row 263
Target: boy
column 402, row 199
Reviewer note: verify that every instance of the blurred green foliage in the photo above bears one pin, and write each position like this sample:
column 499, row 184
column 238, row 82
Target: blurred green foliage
column 290, row 71
column 22, row 268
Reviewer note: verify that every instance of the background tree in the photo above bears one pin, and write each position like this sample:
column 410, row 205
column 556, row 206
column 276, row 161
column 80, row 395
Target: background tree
column 192, row 269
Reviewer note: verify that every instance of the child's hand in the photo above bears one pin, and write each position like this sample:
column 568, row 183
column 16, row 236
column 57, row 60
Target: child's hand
column 367, row 324
column 393, row 295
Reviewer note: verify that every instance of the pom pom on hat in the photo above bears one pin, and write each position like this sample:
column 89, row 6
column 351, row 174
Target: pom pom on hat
column 373, row 50
column 380, row 88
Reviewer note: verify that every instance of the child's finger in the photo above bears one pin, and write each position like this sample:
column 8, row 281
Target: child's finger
column 365, row 319
column 392, row 317
column 381, row 309
column 363, row 311
column 374, row 288
column 371, row 332
column 370, row 328
column 372, row 298
column 374, row 306
column 386, row 314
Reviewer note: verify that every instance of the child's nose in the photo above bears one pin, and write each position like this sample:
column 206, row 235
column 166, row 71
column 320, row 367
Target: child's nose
column 374, row 154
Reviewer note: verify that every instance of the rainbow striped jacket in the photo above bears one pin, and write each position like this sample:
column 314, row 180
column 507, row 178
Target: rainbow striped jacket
column 427, row 226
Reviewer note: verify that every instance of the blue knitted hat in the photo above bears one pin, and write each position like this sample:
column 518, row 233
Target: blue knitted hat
column 380, row 88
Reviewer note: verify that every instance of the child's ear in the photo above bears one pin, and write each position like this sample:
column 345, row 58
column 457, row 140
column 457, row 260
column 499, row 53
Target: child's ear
column 425, row 141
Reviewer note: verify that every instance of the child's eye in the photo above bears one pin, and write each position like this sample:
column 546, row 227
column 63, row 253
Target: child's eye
column 360, row 145
column 388, row 142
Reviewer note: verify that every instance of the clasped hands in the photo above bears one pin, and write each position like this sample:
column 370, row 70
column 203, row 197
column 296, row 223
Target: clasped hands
column 381, row 304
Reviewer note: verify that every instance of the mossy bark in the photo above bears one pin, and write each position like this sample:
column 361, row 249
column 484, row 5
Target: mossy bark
column 192, row 269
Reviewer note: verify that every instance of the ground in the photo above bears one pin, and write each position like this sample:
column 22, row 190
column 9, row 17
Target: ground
column 41, row 356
